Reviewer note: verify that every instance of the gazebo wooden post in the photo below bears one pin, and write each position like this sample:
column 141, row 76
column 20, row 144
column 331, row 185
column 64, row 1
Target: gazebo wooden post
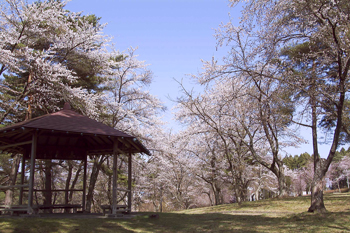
column 129, row 182
column 32, row 169
column 115, row 177
column 84, row 184
column 20, row 201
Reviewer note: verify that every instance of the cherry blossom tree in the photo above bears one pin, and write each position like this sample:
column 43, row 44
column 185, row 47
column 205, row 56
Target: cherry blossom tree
column 50, row 55
column 224, row 112
column 250, row 108
column 127, row 105
column 207, row 163
column 320, row 72
column 167, row 180
column 42, row 46
column 339, row 171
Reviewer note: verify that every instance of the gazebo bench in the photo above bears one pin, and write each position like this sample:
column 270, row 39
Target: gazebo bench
column 107, row 209
column 14, row 209
column 60, row 206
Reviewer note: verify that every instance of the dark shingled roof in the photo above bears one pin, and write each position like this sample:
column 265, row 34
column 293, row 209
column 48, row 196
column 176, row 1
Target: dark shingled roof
column 64, row 122
column 69, row 121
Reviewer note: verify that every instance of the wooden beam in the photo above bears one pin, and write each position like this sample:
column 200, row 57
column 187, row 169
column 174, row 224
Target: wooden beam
column 15, row 144
column 129, row 182
column 99, row 151
column 124, row 142
column 115, row 177
column 31, row 176
column 134, row 144
column 22, row 177
column 84, row 183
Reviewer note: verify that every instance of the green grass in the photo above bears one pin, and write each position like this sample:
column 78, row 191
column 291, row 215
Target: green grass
column 274, row 215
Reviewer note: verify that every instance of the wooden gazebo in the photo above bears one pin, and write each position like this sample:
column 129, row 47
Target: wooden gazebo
column 67, row 135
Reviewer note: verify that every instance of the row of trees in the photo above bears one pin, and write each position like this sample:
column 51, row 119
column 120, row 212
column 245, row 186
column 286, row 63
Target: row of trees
column 301, row 172
column 288, row 63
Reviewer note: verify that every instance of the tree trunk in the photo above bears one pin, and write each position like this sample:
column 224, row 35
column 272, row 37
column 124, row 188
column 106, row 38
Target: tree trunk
column 93, row 178
column 161, row 199
column 216, row 192
column 109, row 185
column 13, row 177
column 257, row 196
column 210, row 199
column 282, row 187
column 48, row 182
column 300, row 189
column 69, row 177
column 243, row 186
column 317, row 203
column 317, row 182
column 237, row 191
column 75, row 180
column 155, row 205
column 66, row 192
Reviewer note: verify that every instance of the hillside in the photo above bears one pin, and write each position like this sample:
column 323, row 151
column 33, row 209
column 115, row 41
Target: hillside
column 274, row 215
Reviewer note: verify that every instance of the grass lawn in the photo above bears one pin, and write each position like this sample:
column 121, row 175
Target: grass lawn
column 274, row 215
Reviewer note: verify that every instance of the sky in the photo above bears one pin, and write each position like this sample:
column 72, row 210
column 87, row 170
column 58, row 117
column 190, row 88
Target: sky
column 172, row 36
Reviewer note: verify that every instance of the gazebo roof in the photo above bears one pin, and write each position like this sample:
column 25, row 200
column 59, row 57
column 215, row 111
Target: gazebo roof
column 65, row 131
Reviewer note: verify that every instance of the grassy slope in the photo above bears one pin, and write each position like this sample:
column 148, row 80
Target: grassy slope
column 276, row 215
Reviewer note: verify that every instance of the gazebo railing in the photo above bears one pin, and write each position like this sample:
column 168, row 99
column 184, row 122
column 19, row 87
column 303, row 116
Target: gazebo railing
column 58, row 190
column 124, row 190
column 14, row 186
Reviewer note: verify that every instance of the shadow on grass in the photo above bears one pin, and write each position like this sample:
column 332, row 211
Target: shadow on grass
column 48, row 225
column 218, row 222
column 176, row 222
column 340, row 228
